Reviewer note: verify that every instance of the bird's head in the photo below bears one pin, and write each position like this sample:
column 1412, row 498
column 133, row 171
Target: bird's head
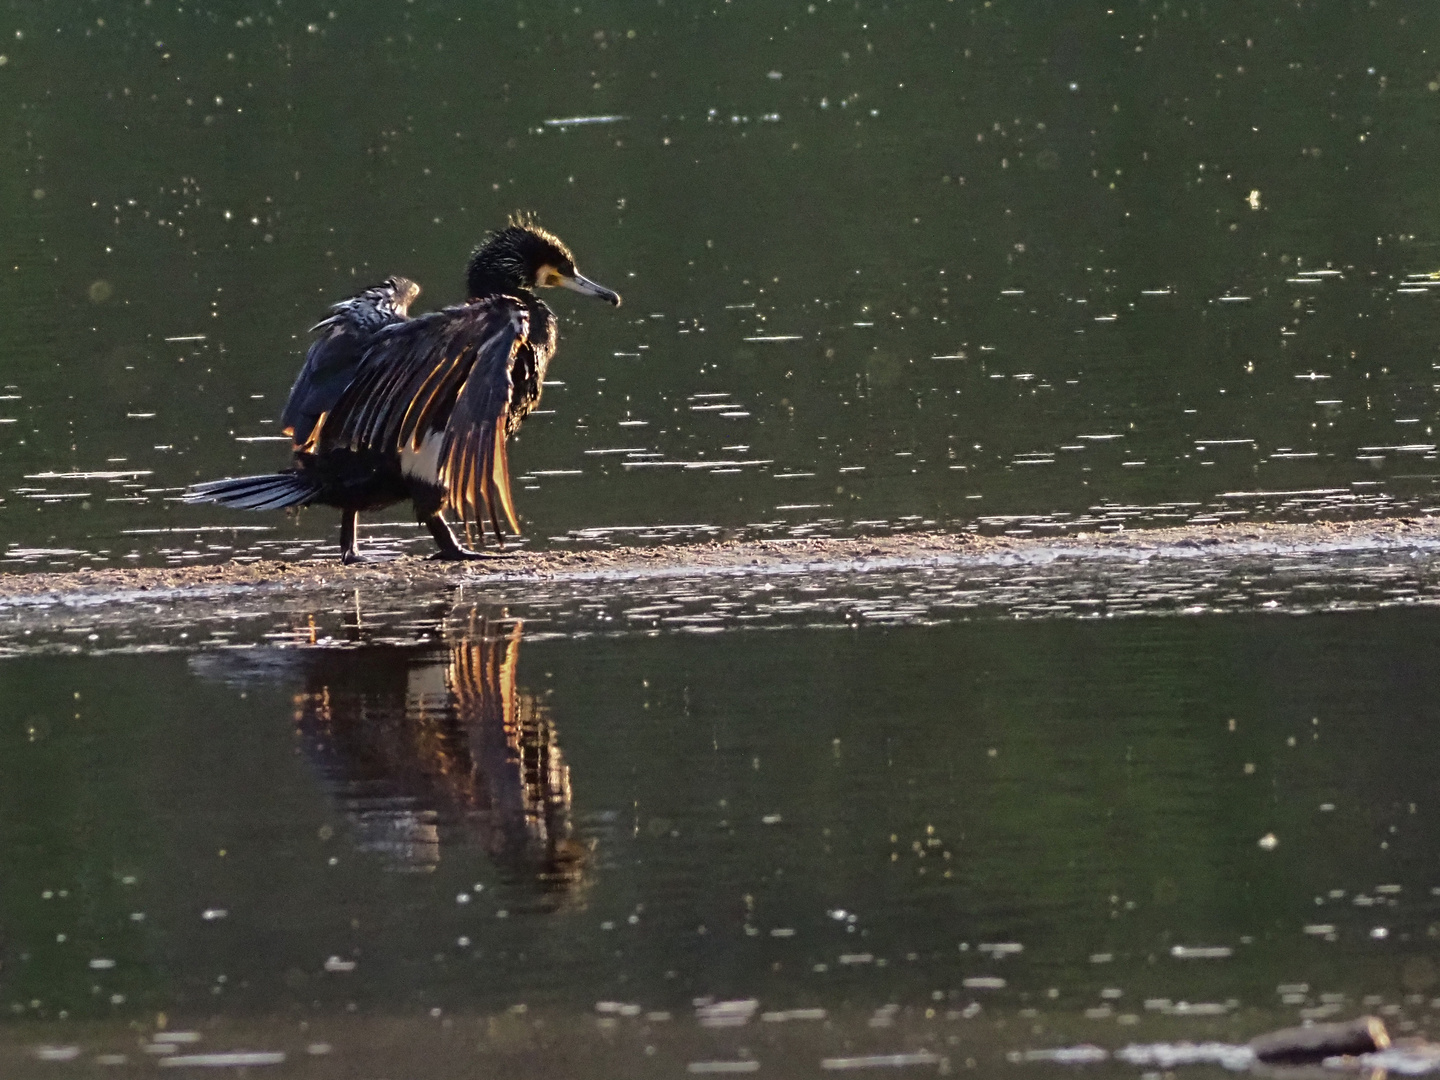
column 524, row 256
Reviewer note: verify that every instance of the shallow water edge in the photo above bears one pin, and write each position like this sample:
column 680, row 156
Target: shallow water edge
column 736, row 558
column 910, row 579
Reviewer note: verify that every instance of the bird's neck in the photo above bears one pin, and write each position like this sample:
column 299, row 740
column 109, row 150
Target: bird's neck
column 542, row 320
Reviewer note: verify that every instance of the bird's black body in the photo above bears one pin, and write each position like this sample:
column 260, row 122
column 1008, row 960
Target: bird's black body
column 389, row 408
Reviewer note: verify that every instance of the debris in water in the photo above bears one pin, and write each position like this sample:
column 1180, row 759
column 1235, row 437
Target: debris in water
column 1295, row 1046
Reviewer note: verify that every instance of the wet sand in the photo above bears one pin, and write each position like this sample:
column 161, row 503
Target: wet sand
column 735, row 559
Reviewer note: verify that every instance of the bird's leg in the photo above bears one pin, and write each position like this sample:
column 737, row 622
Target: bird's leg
column 450, row 550
column 349, row 527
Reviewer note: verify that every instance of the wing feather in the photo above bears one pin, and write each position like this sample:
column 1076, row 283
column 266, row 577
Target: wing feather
column 447, row 373
column 335, row 356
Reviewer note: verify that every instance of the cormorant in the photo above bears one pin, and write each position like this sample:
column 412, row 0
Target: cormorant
column 390, row 408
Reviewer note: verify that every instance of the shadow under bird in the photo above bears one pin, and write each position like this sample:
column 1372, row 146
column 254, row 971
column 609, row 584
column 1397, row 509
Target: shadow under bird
column 389, row 407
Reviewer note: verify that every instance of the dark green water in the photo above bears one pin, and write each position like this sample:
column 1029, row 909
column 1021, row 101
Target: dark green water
column 855, row 821
column 985, row 232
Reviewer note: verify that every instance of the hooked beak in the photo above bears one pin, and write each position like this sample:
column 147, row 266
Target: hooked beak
column 585, row 287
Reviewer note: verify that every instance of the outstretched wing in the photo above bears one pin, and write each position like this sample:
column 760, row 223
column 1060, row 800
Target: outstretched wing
column 334, row 357
column 435, row 390
column 330, row 364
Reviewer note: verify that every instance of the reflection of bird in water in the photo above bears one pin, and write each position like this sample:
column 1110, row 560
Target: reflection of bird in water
column 417, row 745
column 389, row 408
column 456, row 741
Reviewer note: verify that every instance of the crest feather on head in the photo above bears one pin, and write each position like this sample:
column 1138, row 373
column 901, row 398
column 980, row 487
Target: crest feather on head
column 525, row 219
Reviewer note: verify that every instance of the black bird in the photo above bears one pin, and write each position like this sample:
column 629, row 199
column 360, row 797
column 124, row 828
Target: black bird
column 390, row 408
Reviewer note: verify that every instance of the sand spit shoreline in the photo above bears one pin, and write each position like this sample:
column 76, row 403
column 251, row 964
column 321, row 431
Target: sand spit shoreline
column 738, row 558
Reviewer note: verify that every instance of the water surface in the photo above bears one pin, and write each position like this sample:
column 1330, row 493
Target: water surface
column 963, row 840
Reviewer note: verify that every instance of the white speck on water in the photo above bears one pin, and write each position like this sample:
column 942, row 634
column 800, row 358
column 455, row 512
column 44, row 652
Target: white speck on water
column 726, row 1013
column 57, row 1053
column 335, row 964
column 782, row 1015
column 1201, row 952
column 984, row 982
column 747, row 1065
column 1001, row 948
column 237, row 1059
column 881, row 1061
column 1268, row 842
column 1062, row 1055
column 1168, row 1055
column 577, row 121
column 101, row 963
column 214, row 913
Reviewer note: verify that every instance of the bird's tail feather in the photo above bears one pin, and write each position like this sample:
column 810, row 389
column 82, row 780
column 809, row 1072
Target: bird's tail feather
column 270, row 492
